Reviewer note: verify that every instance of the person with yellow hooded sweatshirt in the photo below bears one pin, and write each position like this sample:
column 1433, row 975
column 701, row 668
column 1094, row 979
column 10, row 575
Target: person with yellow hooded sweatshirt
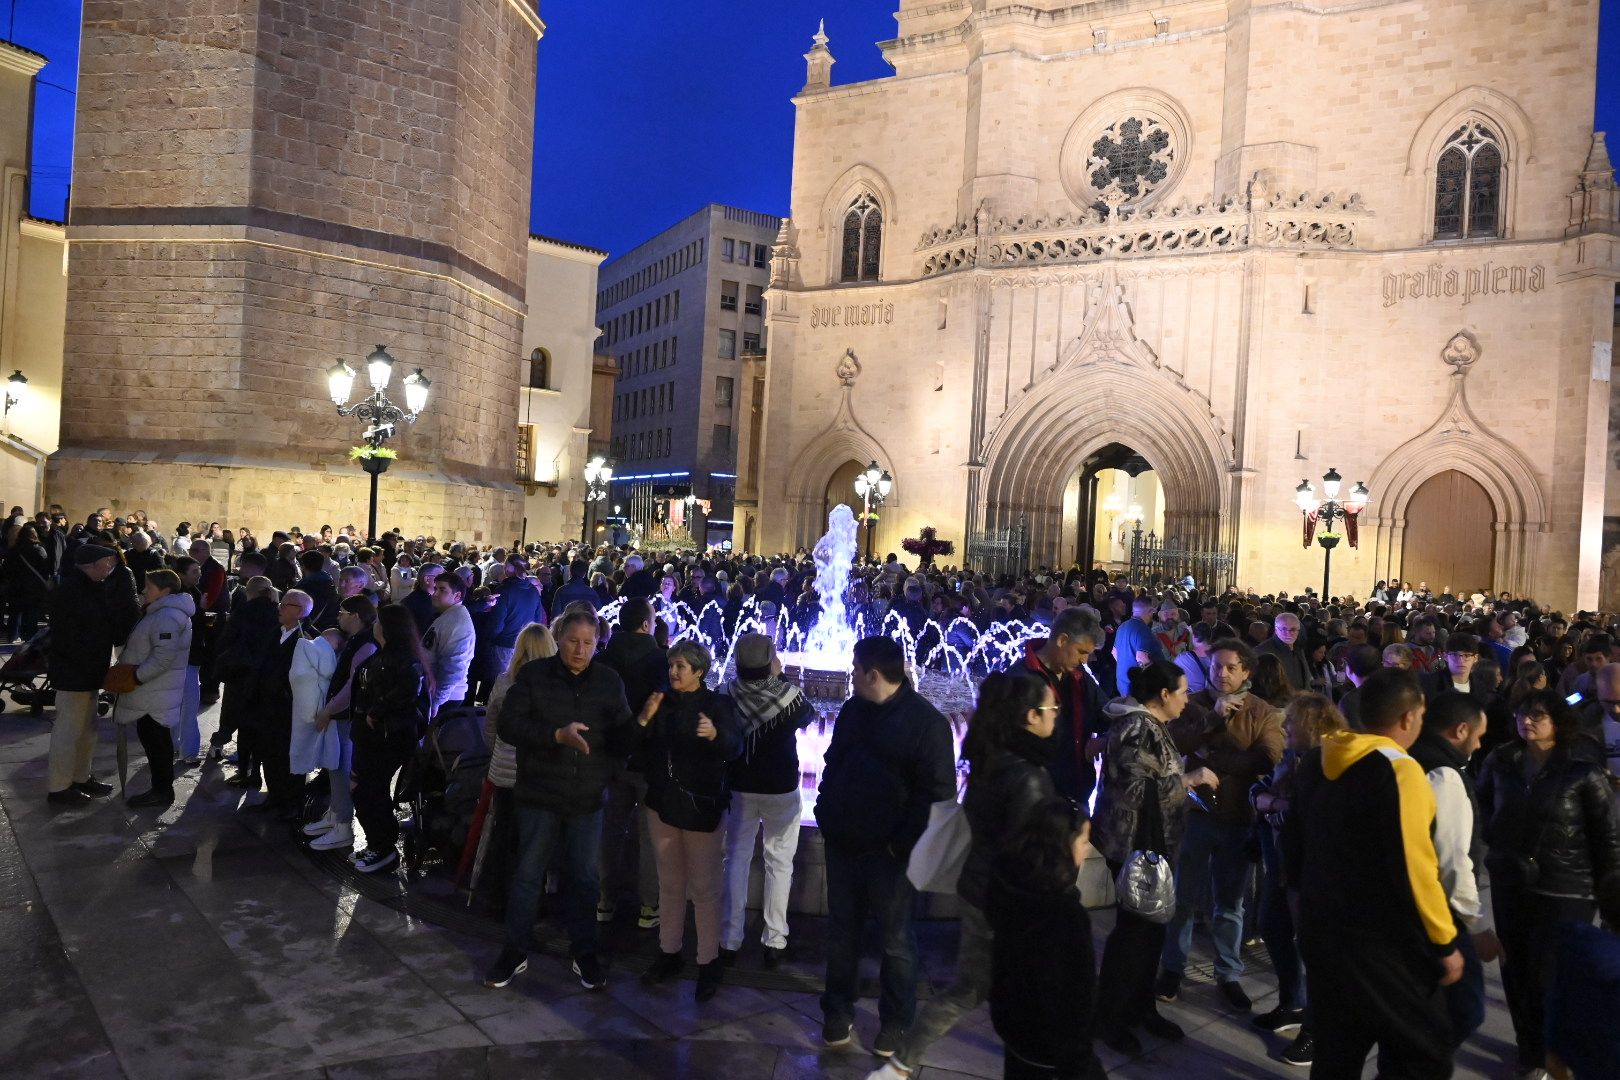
column 1375, row 928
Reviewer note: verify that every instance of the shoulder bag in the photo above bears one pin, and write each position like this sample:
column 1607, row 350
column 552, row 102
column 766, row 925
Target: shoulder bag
column 1146, row 886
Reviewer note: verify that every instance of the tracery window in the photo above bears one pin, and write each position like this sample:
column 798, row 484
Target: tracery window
column 1468, row 185
column 1135, row 153
column 863, row 240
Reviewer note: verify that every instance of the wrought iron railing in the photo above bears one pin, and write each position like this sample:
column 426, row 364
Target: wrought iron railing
column 1005, row 552
column 1155, row 563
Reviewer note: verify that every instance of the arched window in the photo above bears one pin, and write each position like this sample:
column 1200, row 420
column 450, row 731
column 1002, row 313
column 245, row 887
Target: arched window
column 1468, row 185
column 540, row 370
column 863, row 240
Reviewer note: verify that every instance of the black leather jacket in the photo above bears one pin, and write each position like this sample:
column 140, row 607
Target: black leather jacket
column 1005, row 785
column 1555, row 834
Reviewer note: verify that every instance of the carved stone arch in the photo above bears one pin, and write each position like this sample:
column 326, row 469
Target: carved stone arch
column 845, row 190
column 844, row 439
column 1459, row 441
column 1076, row 150
column 1502, row 115
column 1042, row 440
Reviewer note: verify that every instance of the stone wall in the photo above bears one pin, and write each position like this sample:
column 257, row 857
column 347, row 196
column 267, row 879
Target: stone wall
column 261, row 192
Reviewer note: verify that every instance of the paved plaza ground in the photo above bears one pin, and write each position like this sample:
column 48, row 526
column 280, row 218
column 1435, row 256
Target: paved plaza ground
column 203, row 943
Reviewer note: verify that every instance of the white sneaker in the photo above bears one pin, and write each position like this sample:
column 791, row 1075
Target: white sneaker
column 324, row 825
column 340, row 837
column 888, row 1071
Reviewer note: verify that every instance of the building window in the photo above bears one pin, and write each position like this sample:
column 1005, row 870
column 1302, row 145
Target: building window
column 1468, row 185
column 722, row 391
column 745, row 252
column 540, row 369
column 863, row 239
column 755, row 305
column 728, row 250
column 728, row 296
column 669, row 442
column 762, row 255
column 750, row 343
column 722, row 438
column 728, row 345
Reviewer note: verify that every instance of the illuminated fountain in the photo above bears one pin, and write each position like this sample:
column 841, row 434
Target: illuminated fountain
column 821, row 666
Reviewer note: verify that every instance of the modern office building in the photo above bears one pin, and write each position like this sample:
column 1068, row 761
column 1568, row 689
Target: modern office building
column 677, row 313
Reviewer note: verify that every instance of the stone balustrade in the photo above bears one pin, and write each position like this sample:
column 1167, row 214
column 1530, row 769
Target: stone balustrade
column 1304, row 220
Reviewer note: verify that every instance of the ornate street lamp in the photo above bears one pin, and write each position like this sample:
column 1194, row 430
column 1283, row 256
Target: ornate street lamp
column 16, row 390
column 598, row 475
column 379, row 413
column 1324, row 511
column 872, row 485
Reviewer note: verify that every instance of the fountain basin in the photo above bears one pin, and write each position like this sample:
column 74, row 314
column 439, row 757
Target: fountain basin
column 814, row 675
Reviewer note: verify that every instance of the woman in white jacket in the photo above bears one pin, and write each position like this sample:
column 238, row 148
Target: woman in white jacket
column 158, row 649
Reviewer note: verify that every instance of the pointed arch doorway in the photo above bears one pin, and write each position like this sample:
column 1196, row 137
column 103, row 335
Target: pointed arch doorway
column 1450, row 535
column 1115, row 492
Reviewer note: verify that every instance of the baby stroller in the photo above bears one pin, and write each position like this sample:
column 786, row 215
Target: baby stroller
column 24, row 675
column 442, row 784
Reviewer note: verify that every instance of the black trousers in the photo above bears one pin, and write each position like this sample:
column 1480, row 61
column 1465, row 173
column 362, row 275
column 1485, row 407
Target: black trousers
column 1130, row 962
column 272, row 745
column 1368, row 993
column 159, row 747
column 1526, row 923
column 377, row 757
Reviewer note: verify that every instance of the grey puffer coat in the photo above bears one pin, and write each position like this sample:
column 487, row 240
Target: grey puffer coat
column 1141, row 763
column 159, row 647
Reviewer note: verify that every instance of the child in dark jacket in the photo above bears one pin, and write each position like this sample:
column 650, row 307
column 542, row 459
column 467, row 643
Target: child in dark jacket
column 1043, row 974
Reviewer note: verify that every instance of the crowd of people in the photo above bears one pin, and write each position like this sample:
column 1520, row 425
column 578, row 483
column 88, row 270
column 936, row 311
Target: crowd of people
column 1338, row 778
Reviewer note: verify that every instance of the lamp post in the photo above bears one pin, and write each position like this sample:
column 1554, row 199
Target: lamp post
column 1326, row 510
column 379, row 413
column 598, row 475
column 16, row 390
column 872, row 485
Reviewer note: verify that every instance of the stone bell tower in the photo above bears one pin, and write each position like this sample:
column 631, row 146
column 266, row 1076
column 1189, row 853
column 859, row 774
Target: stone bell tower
column 262, row 187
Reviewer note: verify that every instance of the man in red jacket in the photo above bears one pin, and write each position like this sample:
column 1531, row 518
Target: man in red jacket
column 1061, row 661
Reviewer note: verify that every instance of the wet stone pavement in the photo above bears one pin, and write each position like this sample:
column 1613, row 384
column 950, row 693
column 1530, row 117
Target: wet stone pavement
column 205, row 944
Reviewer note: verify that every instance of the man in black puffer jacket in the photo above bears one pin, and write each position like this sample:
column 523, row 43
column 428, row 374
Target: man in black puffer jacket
column 889, row 761
column 569, row 721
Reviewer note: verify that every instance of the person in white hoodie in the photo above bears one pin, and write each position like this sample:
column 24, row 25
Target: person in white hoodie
column 157, row 650
column 449, row 641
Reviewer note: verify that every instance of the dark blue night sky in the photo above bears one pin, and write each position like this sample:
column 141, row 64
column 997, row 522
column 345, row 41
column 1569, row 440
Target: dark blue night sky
column 647, row 109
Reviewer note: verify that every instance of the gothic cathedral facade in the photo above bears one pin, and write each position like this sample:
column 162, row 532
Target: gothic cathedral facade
column 1246, row 241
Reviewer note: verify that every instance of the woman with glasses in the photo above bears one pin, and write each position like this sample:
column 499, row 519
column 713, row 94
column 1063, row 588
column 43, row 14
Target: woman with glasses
column 1553, row 837
column 1009, row 747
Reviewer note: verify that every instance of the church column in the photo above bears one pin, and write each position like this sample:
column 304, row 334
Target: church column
column 1594, row 463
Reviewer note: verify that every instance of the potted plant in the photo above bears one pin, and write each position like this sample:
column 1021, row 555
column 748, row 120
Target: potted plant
column 1329, row 540
column 373, row 459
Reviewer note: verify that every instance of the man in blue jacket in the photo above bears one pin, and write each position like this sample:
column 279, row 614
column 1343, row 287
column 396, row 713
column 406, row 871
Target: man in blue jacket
column 517, row 605
column 891, row 758
column 576, row 589
column 1135, row 643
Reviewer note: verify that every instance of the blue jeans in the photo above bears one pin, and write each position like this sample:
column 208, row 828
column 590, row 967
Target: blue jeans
column 539, row 832
column 342, row 804
column 862, row 884
column 1465, row 998
column 1214, row 864
column 1277, row 926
